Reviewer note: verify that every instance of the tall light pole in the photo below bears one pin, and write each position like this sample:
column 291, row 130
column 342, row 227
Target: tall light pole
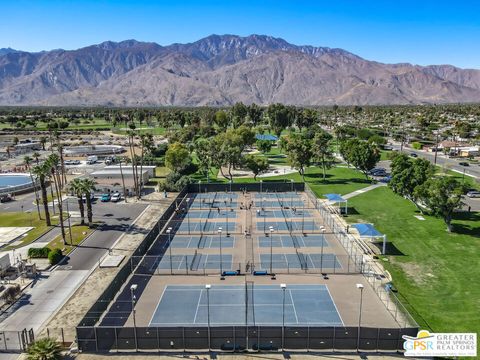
column 188, row 217
column 133, row 288
column 69, row 224
column 360, row 287
column 169, row 230
column 221, row 257
column 226, row 213
column 207, row 287
column 271, row 250
column 321, row 253
column 264, row 215
column 283, row 287
column 303, row 215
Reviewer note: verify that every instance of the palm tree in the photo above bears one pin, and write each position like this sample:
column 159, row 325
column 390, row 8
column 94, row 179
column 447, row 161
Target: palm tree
column 44, row 349
column 53, row 162
column 43, row 141
column 146, row 141
column 131, row 144
column 28, row 161
column 41, row 172
column 123, row 179
column 36, row 156
column 76, row 187
column 88, row 186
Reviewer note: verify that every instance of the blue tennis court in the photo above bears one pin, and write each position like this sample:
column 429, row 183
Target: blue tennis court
column 212, row 214
column 293, row 241
column 277, row 203
column 205, row 241
column 189, row 306
column 216, row 196
column 280, row 195
column 195, row 262
column 188, row 225
column 299, row 261
column 286, row 213
column 307, row 225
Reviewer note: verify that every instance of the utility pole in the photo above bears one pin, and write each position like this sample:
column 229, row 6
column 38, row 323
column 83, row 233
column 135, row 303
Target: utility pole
column 436, row 148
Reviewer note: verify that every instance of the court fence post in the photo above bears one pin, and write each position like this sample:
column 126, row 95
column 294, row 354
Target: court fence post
column 158, row 340
column 308, row 338
column 116, row 338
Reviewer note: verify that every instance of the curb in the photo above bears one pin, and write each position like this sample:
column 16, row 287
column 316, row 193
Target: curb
column 65, row 256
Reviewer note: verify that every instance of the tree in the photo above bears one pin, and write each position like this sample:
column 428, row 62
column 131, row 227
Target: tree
column 408, row 174
column 256, row 165
column 280, row 118
column 322, row 151
column 299, row 152
column 88, row 186
column 203, row 149
column 76, row 187
column 43, row 141
column 221, row 119
column 441, row 196
column 227, row 151
column 264, row 146
column 41, row 172
column 146, row 144
column 363, row 155
column 177, row 157
column 53, row 162
column 28, row 162
column 44, row 349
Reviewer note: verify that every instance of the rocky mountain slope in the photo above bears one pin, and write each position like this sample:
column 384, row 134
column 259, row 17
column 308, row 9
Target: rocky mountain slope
column 221, row 70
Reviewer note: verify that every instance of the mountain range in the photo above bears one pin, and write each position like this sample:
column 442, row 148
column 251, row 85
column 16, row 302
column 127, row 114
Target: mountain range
column 221, row 70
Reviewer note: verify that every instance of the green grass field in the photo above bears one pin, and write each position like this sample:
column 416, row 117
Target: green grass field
column 22, row 219
column 79, row 233
column 436, row 272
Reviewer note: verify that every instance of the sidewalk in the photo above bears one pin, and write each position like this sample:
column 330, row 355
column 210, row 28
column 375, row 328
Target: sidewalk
column 75, row 308
column 364, row 190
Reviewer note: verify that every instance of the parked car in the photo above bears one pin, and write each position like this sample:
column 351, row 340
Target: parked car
column 413, row 155
column 105, row 197
column 116, row 197
column 386, row 179
column 92, row 197
column 75, row 162
column 473, row 194
column 68, row 162
column 464, row 163
column 5, row 198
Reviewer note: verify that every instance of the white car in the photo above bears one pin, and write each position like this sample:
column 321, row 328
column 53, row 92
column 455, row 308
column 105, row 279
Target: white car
column 116, row 197
column 473, row 194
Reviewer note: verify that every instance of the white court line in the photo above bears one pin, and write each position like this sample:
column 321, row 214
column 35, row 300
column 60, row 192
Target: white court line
column 198, row 305
column 158, row 304
column 331, row 299
column 293, row 304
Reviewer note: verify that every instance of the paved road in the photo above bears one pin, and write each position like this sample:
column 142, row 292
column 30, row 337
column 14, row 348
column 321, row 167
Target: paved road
column 453, row 164
column 442, row 160
column 116, row 219
column 52, row 289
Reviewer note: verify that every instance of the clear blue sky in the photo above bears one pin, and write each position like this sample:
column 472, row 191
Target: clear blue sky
column 420, row 32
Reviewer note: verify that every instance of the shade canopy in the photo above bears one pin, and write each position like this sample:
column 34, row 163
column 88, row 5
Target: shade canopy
column 336, row 198
column 367, row 230
column 268, row 137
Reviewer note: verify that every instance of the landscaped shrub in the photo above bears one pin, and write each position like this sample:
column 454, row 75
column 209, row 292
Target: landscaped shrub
column 416, row 145
column 37, row 253
column 55, row 256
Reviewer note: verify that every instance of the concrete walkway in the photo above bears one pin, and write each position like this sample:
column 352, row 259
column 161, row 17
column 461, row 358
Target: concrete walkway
column 364, row 190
